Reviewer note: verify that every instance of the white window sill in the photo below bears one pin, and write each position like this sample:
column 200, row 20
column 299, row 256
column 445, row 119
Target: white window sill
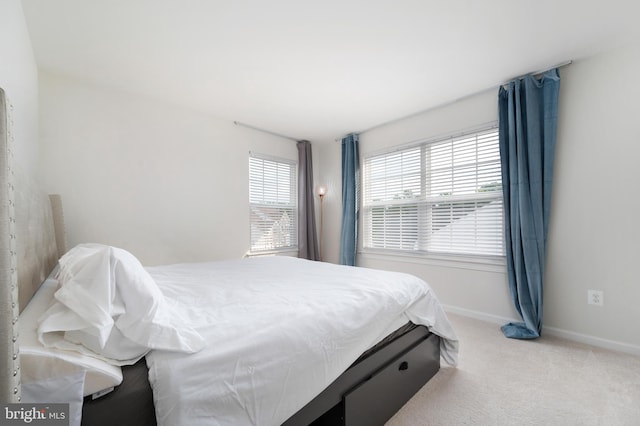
column 476, row 263
column 287, row 252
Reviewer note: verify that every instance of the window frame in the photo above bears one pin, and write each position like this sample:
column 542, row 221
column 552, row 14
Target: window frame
column 276, row 203
column 424, row 202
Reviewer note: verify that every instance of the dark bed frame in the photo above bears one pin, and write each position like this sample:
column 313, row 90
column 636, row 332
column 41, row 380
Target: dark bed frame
column 373, row 389
column 368, row 393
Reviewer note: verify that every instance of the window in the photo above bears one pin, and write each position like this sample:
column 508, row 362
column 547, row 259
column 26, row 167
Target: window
column 443, row 196
column 273, row 203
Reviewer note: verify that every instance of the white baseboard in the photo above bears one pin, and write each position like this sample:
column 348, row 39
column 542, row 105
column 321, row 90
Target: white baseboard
column 593, row 341
column 482, row 316
column 551, row 331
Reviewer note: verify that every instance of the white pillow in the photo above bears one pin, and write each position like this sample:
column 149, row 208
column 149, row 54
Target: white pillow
column 37, row 362
column 109, row 305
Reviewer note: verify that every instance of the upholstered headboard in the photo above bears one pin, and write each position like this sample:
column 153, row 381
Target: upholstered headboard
column 29, row 249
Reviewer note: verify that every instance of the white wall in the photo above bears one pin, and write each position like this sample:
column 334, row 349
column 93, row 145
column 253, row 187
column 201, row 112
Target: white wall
column 326, row 167
column 167, row 183
column 594, row 240
column 19, row 79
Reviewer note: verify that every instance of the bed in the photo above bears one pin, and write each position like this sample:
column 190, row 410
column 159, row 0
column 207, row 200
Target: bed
column 358, row 370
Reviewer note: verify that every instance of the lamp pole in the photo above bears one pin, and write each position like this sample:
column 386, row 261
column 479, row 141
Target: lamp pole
column 322, row 190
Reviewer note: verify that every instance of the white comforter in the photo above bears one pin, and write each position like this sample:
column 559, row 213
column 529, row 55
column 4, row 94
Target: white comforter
column 278, row 330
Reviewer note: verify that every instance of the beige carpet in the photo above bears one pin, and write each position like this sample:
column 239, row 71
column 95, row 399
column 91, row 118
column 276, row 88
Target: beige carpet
column 548, row 381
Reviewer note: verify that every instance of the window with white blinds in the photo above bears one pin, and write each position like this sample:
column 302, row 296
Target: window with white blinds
column 443, row 196
column 273, row 203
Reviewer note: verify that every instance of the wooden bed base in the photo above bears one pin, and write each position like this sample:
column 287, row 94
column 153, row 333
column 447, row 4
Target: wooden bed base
column 367, row 393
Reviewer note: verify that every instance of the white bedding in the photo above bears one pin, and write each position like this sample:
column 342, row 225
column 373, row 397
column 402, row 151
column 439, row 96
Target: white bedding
column 278, row 330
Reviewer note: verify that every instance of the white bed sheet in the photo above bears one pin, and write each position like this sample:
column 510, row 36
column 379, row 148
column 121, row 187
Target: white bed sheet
column 278, row 330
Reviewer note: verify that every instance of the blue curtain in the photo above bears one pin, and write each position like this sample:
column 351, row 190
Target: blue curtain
column 350, row 176
column 528, row 116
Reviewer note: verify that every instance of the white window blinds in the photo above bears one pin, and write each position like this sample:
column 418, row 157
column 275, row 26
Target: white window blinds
column 273, row 203
column 442, row 197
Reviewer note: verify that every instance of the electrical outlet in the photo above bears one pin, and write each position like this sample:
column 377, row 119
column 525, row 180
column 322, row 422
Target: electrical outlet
column 595, row 297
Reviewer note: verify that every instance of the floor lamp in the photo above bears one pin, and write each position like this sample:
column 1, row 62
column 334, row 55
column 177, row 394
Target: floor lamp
column 322, row 190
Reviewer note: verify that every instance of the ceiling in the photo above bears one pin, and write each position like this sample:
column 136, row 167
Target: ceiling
column 317, row 69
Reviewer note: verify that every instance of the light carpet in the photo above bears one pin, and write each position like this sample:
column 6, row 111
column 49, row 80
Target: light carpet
column 548, row 381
